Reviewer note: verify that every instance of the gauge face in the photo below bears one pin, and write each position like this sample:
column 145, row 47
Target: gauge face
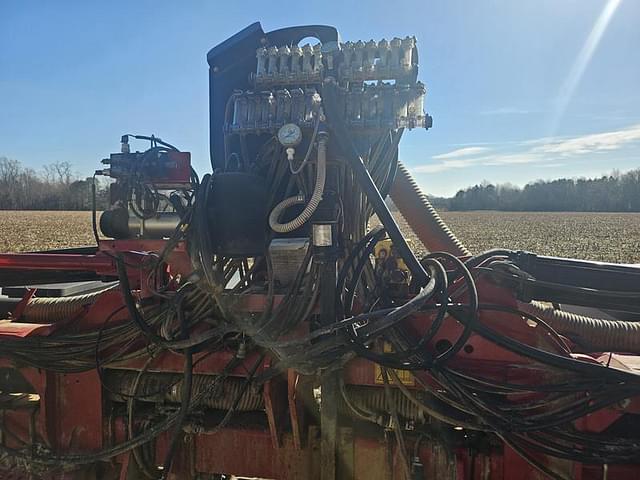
column 290, row 135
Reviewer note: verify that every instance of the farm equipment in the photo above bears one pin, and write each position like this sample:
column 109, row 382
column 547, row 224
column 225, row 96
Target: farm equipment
column 251, row 323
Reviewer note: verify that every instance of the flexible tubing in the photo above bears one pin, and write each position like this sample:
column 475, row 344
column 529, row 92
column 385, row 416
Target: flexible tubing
column 305, row 160
column 423, row 219
column 314, row 201
column 595, row 333
column 54, row 309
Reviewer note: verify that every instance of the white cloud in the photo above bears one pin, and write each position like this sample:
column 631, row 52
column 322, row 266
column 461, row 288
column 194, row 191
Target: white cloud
column 544, row 152
column 507, row 111
column 461, row 152
column 509, row 159
column 591, row 143
column 446, row 165
column 540, row 141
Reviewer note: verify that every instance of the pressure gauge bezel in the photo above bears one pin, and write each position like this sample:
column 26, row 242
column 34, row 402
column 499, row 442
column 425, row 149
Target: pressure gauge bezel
column 290, row 135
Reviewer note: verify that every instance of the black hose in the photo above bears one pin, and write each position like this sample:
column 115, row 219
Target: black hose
column 339, row 129
column 130, row 303
column 152, row 139
column 554, row 360
column 375, row 236
column 185, row 397
column 472, row 319
column 355, row 251
column 94, row 220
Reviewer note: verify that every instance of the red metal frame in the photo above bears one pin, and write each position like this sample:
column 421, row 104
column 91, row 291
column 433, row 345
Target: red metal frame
column 72, row 416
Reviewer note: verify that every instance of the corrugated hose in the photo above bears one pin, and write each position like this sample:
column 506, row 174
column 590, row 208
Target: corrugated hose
column 597, row 334
column 55, row 309
column 314, row 201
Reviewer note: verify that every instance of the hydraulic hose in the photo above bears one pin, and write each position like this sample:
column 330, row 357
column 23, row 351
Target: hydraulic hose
column 423, row 219
column 366, row 183
column 314, row 201
column 594, row 333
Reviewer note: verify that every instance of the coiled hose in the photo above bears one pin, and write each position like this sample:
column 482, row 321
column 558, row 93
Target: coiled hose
column 423, row 219
column 55, row 309
column 596, row 334
column 314, row 201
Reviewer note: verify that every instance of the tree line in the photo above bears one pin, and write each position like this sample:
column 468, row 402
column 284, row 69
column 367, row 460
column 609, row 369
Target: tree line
column 610, row 193
column 55, row 187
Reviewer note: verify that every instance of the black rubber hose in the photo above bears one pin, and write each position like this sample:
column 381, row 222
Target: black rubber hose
column 439, row 318
column 130, row 302
column 357, row 250
column 594, row 334
column 561, row 362
column 339, row 129
column 472, row 319
column 350, row 290
column 185, row 398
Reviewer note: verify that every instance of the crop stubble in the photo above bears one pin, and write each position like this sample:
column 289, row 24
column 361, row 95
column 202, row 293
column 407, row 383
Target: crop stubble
column 610, row 237
column 605, row 237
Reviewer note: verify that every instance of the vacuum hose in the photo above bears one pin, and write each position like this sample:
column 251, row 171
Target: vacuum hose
column 595, row 334
column 423, row 219
column 55, row 309
column 316, row 197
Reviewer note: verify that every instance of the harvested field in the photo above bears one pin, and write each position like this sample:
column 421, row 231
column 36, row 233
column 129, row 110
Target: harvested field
column 24, row 231
column 611, row 237
column 606, row 237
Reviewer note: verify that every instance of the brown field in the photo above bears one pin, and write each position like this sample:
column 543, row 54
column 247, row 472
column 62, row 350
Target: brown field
column 605, row 237
column 611, row 237
column 23, row 231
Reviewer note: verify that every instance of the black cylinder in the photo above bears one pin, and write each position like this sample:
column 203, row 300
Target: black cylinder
column 115, row 223
column 238, row 215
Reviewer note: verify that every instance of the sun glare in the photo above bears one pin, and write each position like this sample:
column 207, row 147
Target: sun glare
column 581, row 63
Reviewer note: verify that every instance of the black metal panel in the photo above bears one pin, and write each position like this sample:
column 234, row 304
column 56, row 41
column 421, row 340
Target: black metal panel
column 238, row 214
column 231, row 64
column 17, row 276
column 607, row 286
column 65, row 289
column 581, row 273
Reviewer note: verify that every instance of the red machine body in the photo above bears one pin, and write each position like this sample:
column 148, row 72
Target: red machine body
column 73, row 413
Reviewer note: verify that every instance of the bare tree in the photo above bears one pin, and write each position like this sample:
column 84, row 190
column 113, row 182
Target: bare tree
column 56, row 187
column 59, row 172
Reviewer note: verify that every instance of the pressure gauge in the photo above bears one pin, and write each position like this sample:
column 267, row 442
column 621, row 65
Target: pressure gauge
column 290, row 135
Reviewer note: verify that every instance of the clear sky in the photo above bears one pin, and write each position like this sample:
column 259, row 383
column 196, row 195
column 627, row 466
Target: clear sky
column 518, row 89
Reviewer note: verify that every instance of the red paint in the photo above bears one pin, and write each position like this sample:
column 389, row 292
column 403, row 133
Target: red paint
column 73, row 417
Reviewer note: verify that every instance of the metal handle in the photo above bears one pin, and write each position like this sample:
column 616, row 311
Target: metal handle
column 292, row 35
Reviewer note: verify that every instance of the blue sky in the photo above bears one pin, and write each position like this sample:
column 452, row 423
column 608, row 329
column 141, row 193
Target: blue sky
column 519, row 90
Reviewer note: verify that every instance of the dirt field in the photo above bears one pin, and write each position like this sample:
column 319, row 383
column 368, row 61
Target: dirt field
column 606, row 237
column 24, row 231
column 612, row 237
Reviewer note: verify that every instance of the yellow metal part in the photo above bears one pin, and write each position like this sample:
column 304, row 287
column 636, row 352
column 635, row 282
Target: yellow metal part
column 384, row 249
column 405, row 376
